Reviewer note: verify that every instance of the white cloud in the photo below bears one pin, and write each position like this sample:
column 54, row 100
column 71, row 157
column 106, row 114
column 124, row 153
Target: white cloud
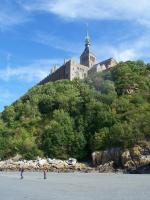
column 57, row 42
column 31, row 73
column 7, row 21
column 11, row 14
column 127, row 54
column 126, row 49
column 18, row 11
column 137, row 10
column 120, row 53
column 123, row 55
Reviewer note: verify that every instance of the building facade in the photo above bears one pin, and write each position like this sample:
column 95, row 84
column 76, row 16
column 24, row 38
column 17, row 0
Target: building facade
column 102, row 66
column 71, row 69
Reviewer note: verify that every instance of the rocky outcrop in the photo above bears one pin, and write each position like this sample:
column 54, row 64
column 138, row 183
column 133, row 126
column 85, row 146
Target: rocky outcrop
column 53, row 165
column 107, row 167
column 102, row 157
column 145, row 169
column 131, row 160
column 136, row 157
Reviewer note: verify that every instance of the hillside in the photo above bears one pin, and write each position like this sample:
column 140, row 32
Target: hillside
column 72, row 119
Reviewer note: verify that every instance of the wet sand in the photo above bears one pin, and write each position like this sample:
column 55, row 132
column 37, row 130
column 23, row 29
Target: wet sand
column 74, row 186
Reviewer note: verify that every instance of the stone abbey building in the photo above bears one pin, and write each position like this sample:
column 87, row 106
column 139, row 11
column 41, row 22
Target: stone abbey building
column 71, row 69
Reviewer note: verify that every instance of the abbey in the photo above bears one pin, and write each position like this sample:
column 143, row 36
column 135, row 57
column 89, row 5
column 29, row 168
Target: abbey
column 71, row 69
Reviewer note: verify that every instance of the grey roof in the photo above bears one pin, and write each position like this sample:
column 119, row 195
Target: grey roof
column 106, row 61
column 87, row 50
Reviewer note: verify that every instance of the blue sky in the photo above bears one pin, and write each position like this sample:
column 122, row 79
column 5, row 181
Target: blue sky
column 36, row 34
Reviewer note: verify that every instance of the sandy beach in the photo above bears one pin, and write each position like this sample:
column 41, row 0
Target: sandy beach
column 74, row 186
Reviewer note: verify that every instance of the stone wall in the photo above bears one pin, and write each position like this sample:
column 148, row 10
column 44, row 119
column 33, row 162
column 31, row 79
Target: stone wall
column 71, row 69
column 61, row 73
column 102, row 66
column 77, row 70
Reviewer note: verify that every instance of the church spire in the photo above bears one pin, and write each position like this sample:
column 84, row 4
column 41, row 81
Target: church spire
column 87, row 58
column 87, row 39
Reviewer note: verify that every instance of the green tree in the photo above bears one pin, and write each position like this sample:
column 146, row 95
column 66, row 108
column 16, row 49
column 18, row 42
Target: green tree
column 60, row 140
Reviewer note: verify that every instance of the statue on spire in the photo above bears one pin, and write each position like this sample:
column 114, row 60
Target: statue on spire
column 87, row 39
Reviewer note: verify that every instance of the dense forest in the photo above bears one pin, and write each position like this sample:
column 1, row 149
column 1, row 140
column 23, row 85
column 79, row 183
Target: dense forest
column 74, row 118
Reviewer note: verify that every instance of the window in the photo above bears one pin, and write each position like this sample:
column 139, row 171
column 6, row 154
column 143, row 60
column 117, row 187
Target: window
column 92, row 58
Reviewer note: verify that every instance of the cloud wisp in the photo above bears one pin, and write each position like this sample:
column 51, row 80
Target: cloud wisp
column 12, row 14
column 31, row 73
column 56, row 42
column 95, row 9
column 126, row 49
column 18, row 11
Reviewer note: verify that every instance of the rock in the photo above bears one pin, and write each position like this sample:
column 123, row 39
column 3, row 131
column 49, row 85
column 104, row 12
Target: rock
column 97, row 158
column 107, row 167
column 102, row 157
column 136, row 157
column 135, row 152
column 125, row 157
column 80, row 166
column 113, row 154
column 17, row 157
column 56, row 161
column 128, row 159
column 61, row 165
column 71, row 161
column 145, row 169
column 42, row 162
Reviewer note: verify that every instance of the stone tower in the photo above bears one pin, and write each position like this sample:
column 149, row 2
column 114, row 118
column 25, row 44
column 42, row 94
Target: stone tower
column 87, row 58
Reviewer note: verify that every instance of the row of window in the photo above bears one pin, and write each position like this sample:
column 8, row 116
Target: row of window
column 78, row 68
column 79, row 75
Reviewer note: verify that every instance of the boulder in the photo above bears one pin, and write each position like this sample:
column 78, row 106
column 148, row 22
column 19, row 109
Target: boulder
column 17, row 157
column 145, row 169
column 80, row 166
column 136, row 157
column 42, row 162
column 71, row 161
column 97, row 158
column 107, row 167
column 125, row 157
column 61, row 165
column 113, row 154
column 128, row 159
column 102, row 157
column 55, row 161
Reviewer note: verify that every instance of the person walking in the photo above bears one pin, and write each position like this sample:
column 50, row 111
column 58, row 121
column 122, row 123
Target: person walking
column 45, row 173
column 21, row 172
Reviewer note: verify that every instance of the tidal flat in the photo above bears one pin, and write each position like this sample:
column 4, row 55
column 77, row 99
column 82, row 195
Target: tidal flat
column 74, row 186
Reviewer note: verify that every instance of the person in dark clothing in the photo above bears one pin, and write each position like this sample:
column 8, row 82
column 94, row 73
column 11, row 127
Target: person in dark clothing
column 45, row 171
column 21, row 172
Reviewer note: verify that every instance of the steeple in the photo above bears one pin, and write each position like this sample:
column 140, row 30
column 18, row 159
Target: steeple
column 87, row 58
column 87, row 39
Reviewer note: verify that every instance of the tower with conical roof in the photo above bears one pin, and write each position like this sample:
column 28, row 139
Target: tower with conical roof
column 87, row 58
